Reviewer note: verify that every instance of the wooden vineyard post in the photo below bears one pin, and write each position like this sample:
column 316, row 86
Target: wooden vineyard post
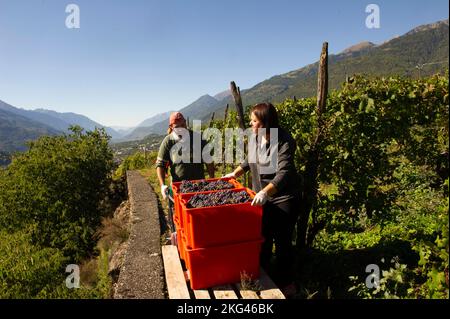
column 310, row 188
column 212, row 120
column 322, row 82
column 236, row 92
column 224, row 165
column 238, row 101
column 226, row 114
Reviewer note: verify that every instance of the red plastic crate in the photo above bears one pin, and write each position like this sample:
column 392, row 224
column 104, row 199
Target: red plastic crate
column 181, row 244
column 220, row 265
column 221, row 225
column 176, row 193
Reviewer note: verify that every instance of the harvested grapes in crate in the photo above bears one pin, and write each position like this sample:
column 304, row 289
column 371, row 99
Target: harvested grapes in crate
column 218, row 199
column 204, row 186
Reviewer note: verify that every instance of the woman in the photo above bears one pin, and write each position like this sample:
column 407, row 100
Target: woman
column 179, row 168
column 278, row 192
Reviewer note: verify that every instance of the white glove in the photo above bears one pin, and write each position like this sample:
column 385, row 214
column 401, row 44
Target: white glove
column 164, row 191
column 260, row 198
column 229, row 175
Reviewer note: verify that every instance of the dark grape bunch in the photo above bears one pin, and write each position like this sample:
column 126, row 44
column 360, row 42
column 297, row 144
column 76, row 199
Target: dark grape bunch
column 218, row 198
column 203, row 186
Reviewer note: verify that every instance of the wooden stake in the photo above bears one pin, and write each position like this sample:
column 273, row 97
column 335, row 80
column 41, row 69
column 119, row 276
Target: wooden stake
column 226, row 114
column 310, row 187
column 238, row 101
column 212, row 119
column 240, row 110
column 224, row 166
column 322, row 81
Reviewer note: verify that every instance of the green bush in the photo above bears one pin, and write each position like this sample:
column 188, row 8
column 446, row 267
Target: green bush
column 433, row 263
column 27, row 270
column 52, row 200
column 55, row 190
column 136, row 161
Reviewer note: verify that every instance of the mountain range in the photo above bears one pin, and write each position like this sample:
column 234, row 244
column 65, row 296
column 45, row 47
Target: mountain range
column 16, row 129
column 19, row 125
column 143, row 129
column 420, row 52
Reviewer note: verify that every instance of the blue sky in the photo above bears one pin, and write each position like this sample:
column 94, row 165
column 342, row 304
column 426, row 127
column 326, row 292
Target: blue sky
column 133, row 59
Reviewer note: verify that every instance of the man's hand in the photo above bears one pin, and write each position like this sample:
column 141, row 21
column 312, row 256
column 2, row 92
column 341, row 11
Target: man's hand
column 164, row 191
column 260, row 198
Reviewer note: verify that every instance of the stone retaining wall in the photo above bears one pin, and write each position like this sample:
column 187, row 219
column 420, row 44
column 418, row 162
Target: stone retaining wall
column 142, row 273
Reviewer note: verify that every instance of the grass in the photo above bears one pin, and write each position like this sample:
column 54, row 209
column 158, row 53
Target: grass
column 247, row 283
column 94, row 272
column 150, row 175
column 112, row 233
column 322, row 274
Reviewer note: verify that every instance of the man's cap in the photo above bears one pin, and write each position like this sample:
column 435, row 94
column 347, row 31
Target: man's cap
column 176, row 118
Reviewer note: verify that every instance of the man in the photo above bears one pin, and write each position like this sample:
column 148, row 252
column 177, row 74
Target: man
column 182, row 166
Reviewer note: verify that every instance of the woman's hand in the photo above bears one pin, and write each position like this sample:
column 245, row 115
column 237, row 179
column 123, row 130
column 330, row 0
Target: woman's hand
column 260, row 198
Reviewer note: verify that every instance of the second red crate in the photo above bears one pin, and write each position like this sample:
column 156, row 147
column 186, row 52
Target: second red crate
column 221, row 225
